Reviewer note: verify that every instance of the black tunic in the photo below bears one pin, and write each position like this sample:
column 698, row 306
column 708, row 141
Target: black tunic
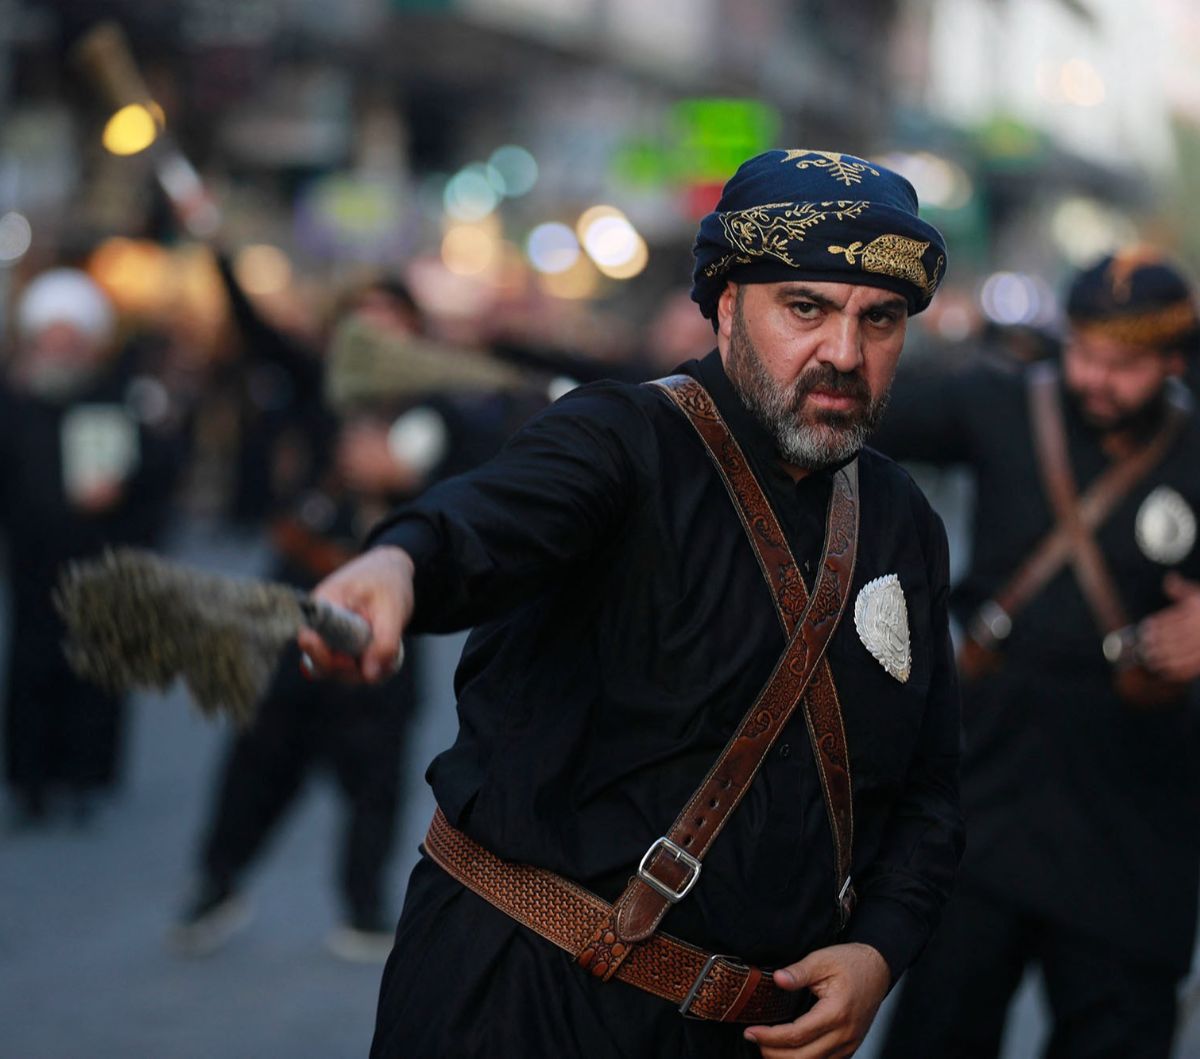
column 1078, row 807
column 58, row 729
column 624, row 628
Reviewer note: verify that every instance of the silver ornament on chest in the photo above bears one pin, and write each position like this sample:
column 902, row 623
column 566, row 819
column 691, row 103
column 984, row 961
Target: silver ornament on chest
column 881, row 618
column 1166, row 526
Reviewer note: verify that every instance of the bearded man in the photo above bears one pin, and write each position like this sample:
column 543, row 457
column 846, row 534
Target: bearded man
column 656, row 576
column 1082, row 612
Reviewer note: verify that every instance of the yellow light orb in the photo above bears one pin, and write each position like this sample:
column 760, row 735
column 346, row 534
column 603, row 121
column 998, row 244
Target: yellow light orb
column 130, row 130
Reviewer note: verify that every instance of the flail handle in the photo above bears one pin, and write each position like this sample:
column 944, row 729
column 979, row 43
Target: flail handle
column 342, row 629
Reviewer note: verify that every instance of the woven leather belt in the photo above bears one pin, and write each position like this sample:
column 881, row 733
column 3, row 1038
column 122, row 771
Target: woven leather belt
column 703, row 985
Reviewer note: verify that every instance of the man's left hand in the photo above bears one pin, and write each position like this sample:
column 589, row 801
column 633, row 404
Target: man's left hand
column 849, row 982
column 1169, row 640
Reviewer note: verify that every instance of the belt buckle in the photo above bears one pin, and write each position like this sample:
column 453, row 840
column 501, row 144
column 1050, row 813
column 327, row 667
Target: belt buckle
column 698, row 984
column 680, row 856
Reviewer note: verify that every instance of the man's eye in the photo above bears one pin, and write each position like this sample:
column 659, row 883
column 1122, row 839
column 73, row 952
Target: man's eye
column 806, row 309
column 881, row 317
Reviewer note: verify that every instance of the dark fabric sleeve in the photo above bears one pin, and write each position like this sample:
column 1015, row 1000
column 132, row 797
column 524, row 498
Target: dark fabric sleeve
column 555, row 494
column 928, row 417
column 267, row 344
column 902, row 893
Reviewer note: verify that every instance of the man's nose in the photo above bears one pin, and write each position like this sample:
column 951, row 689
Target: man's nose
column 842, row 347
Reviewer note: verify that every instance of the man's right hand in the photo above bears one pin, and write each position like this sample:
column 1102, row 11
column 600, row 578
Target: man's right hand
column 378, row 585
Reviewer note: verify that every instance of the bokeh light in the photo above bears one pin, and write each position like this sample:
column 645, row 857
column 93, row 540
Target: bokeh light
column 130, row 130
column 469, row 249
column 552, row 248
column 1081, row 83
column 1085, row 229
column 516, row 167
column 16, row 236
column 470, row 194
column 1014, row 298
column 939, row 182
column 579, row 280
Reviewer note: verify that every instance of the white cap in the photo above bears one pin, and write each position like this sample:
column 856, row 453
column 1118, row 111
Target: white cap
column 66, row 295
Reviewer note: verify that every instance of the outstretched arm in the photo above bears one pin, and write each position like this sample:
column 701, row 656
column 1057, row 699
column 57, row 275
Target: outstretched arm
column 475, row 546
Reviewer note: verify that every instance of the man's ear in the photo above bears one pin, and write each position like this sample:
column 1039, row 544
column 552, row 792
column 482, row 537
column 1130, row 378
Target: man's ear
column 726, row 307
column 1176, row 363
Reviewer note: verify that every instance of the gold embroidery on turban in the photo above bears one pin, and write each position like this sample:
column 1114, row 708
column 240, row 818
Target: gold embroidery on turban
column 893, row 255
column 1157, row 327
column 773, row 230
column 837, row 166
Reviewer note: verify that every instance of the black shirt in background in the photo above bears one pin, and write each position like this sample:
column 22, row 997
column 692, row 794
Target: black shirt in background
column 1078, row 807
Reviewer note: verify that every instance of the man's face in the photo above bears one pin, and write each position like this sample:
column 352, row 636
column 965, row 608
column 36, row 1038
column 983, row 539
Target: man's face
column 813, row 361
column 1112, row 381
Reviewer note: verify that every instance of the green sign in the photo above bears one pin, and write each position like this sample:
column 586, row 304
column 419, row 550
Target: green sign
column 705, row 141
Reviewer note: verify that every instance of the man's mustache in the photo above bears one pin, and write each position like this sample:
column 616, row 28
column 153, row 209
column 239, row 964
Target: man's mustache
column 826, row 377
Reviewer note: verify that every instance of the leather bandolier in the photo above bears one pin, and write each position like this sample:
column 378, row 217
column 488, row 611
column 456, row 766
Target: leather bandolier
column 1072, row 541
column 621, row 939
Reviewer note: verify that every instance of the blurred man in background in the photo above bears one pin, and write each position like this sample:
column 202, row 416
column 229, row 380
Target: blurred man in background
column 363, row 460
column 1082, row 616
column 377, row 437
column 88, row 458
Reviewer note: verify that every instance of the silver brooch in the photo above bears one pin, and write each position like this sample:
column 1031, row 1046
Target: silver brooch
column 881, row 618
column 1165, row 527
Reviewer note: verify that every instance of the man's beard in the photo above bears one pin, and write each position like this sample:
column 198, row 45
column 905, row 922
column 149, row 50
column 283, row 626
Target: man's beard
column 1138, row 421
column 814, row 439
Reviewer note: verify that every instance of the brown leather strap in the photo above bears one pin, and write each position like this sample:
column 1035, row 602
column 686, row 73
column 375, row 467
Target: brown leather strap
column 1054, row 462
column 993, row 621
column 672, row 864
column 704, row 986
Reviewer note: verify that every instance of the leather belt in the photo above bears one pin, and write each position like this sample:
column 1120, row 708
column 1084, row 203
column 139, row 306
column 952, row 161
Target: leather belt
column 703, row 985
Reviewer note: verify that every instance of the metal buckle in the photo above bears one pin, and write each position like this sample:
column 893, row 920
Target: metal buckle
column 845, row 903
column 698, row 984
column 681, row 856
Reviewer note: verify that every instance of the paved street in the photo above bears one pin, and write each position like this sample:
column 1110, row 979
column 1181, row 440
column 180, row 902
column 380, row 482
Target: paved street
column 83, row 968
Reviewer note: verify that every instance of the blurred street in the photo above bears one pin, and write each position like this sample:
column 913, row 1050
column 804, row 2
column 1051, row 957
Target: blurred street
column 84, row 968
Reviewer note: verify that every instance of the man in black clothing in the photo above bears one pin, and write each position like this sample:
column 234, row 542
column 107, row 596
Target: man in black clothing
column 83, row 466
column 1081, row 797
column 623, row 629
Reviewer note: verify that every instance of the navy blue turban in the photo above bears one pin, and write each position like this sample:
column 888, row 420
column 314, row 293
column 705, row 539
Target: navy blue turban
column 1136, row 297
column 816, row 215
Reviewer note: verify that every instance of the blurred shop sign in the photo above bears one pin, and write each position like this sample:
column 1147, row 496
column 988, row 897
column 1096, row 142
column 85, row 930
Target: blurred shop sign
column 705, row 141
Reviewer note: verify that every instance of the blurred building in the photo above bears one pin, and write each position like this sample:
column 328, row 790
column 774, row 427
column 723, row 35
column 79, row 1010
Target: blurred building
column 471, row 137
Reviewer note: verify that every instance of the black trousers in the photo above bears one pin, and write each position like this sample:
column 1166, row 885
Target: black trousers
column 954, row 1001
column 59, row 731
column 356, row 733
